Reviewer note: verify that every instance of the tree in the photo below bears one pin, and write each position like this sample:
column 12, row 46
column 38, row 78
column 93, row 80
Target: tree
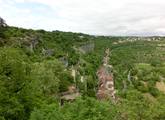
column 14, row 78
column 81, row 109
column 2, row 23
column 47, row 112
column 2, row 27
column 135, row 107
column 18, row 94
column 50, row 77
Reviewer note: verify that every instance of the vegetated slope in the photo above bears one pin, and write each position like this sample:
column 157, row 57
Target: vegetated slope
column 36, row 67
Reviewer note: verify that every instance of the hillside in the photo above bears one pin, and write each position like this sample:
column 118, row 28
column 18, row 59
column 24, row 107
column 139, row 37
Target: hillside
column 52, row 76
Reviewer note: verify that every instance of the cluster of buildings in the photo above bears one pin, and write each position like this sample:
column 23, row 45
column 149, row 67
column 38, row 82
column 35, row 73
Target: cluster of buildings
column 133, row 39
column 106, row 89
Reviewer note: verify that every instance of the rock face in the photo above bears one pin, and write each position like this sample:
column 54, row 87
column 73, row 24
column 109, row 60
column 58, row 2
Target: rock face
column 89, row 47
column 30, row 41
column 106, row 83
column 64, row 60
column 47, row 52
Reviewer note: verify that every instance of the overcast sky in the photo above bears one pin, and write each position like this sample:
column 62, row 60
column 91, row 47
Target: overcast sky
column 98, row 17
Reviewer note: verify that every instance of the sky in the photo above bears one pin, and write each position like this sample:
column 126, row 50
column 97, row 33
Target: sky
column 96, row 17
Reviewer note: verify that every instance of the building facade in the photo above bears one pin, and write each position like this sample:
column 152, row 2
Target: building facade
column 106, row 89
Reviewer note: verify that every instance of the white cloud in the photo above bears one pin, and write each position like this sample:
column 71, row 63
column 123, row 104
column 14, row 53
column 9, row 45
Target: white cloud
column 105, row 17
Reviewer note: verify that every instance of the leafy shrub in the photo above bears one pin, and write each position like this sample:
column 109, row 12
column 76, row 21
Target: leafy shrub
column 153, row 91
column 87, row 109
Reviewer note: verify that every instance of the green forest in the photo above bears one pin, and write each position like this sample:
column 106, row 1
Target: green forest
column 36, row 70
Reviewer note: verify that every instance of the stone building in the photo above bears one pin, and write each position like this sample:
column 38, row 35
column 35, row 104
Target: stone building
column 70, row 95
column 106, row 88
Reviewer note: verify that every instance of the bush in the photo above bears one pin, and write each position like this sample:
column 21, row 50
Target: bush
column 153, row 91
column 156, row 62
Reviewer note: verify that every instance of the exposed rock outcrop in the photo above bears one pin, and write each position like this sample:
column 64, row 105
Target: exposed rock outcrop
column 89, row 47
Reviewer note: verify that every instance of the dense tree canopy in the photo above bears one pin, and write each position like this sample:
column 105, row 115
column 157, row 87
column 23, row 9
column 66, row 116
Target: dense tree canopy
column 36, row 67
